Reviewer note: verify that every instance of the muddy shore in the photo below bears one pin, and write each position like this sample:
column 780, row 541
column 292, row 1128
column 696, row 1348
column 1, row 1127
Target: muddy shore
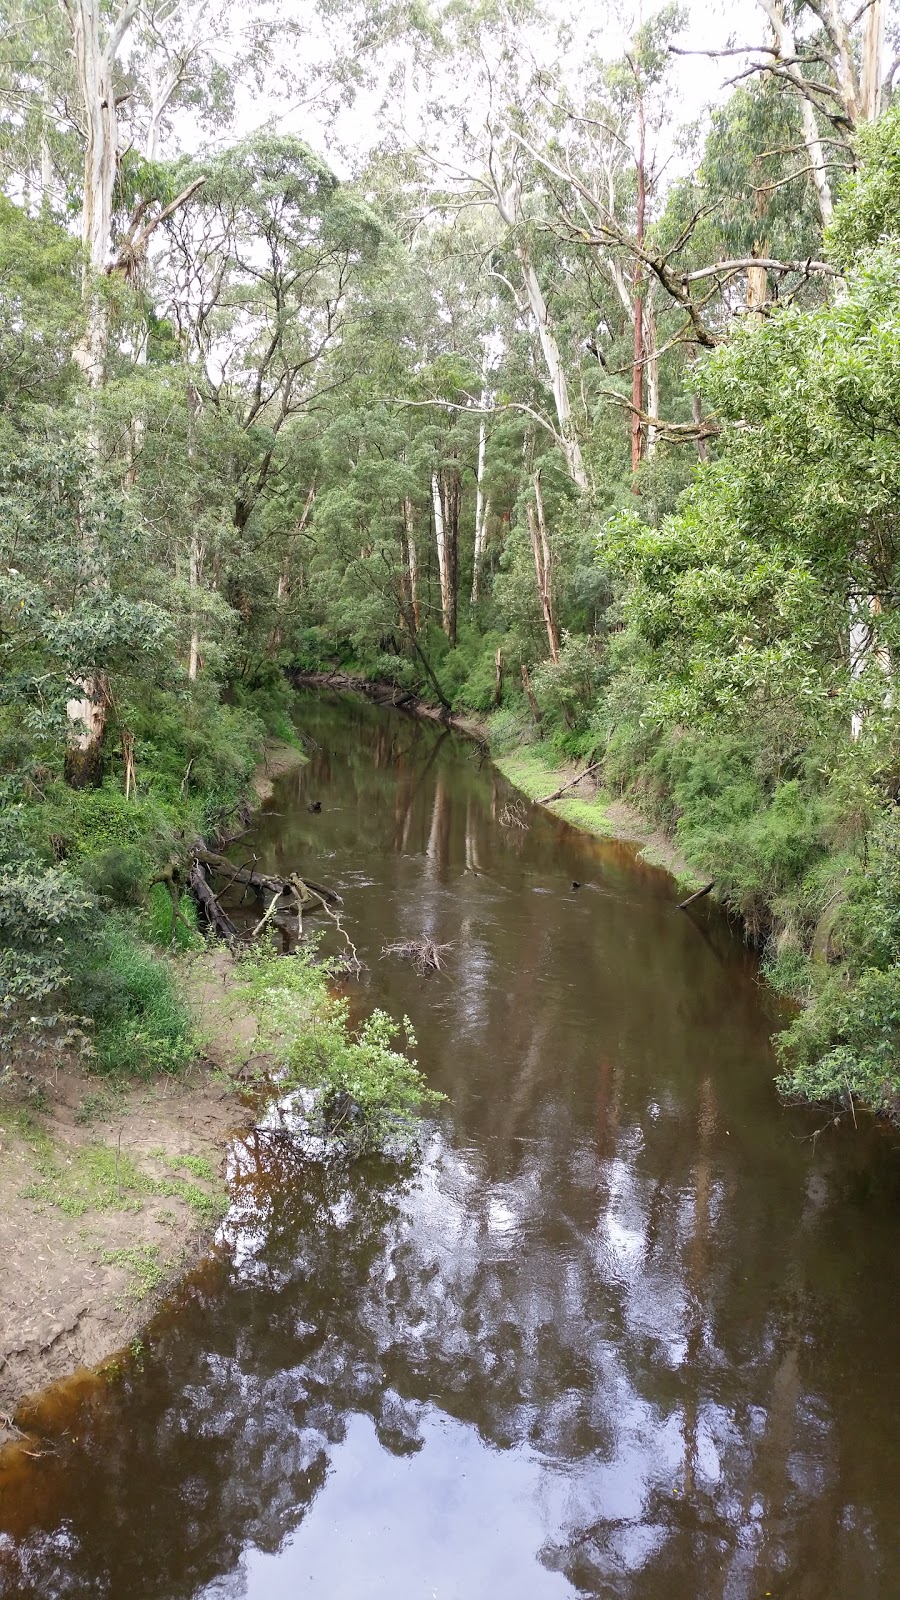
column 110, row 1191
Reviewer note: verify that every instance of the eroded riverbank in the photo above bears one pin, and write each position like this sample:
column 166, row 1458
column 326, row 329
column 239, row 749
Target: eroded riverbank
column 111, row 1189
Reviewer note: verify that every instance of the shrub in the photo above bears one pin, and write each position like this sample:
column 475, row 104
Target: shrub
column 369, row 1091
column 140, row 1024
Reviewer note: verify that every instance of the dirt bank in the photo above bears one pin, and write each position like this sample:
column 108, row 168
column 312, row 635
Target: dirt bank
column 587, row 805
column 109, row 1190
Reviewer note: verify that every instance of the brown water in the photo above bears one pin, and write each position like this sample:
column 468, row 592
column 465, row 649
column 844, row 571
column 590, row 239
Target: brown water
column 625, row 1331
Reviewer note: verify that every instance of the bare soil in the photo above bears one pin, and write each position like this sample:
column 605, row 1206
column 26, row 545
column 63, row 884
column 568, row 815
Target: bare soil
column 106, row 1197
column 110, row 1192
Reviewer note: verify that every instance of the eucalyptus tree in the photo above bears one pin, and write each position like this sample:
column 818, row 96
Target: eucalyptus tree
column 260, row 276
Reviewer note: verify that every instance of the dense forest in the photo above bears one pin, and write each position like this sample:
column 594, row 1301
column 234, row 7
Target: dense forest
column 443, row 344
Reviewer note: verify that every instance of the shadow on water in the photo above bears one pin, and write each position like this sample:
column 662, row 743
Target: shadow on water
column 622, row 1330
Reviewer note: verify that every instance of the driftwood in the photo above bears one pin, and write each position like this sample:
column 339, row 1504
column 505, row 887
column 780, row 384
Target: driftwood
column 697, row 895
column 266, row 883
column 424, row 954
column 570, row 784
column 285, row 899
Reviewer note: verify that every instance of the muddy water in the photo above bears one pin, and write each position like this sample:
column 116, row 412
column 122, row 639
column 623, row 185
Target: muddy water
column 625, row 1331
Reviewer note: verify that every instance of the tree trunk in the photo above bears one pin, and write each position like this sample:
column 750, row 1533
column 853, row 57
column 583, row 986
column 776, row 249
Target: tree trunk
column 440, row 534
column 787, row 45
column 757, row 284
column 498, row 675
column 637, row 367
column 697, row 414
column 195, row 558
column 86, row 715
column 451, row 529
column 543, row 565
column 652, row 364
column 529, row 694
column 445, row 499
column 412, row 562
column 480, row 507
column 568, row 439
column 873, row 50
column 94, row 63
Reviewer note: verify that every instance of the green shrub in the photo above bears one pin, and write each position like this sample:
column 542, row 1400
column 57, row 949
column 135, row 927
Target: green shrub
column 847, row 1042
column 370, row 1091
column 118, row 874
column 140, row 1023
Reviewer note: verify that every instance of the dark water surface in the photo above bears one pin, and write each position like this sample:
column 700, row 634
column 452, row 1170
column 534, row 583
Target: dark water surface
column 625, row 1332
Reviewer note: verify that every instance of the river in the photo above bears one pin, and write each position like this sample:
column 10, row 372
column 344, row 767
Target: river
column 626, row 1330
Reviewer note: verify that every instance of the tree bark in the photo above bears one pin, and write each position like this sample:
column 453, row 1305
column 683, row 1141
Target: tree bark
column 412, row 563
column 873, row 51
column 637, row 368
column 568, row 440
column 787, row 45
column 543, row 566
column 481, row 509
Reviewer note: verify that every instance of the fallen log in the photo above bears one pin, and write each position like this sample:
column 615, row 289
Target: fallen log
column 570, row 784
column 209, row 905
column 697, row 895
column 263, row 883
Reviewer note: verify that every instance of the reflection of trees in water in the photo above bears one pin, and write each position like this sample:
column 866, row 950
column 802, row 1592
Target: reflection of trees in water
column 364, row 1291
column 595, row 1270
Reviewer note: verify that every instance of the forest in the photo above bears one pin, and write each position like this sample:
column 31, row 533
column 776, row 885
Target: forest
column 547, row 371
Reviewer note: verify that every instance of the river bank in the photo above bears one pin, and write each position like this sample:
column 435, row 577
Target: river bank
column 112, row 1187
column 537, row 773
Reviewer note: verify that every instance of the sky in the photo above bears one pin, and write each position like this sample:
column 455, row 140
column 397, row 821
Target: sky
column 345, row 138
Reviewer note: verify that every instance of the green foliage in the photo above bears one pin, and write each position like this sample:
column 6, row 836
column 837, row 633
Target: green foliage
column 369, row 1092
column 869, row 210
column 848, row 1042
column 140, row 1024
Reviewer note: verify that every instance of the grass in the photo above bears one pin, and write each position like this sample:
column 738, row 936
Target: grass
column 99, row 1177
column 147, row 1273
column 535, row 774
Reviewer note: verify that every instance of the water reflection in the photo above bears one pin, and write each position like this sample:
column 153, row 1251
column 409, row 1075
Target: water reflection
column 622, row 1330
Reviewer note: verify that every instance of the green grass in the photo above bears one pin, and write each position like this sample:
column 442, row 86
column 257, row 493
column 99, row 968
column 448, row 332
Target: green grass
column 101, row 1177
column 147, row 1273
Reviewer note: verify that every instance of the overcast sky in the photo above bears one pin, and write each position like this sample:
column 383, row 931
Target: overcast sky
column 345, row 139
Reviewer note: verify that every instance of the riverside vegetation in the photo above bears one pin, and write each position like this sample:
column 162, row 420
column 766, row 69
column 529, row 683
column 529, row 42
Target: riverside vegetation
column 553, row 411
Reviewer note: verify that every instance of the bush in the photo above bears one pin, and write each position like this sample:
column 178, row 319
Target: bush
column 848, row 1042
column 369, row 1091
column 140, row 1024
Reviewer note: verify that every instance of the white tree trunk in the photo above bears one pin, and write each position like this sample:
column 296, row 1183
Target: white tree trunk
column 543, row 565
column 568, row 438
column 873, row 51
column 440, row 531
column 412, row 558
column 95, row 59
column 866, row 651
column 652, row 358
column 480, row 509
column 787, row 45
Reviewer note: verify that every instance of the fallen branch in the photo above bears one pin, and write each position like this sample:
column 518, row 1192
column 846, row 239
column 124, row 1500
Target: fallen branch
column 208, row 903
column 424, row 954
column 697, row 895
column 570, row 783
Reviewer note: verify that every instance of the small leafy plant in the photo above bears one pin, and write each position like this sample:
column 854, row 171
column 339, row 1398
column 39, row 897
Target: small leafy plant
column 369, row 1092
